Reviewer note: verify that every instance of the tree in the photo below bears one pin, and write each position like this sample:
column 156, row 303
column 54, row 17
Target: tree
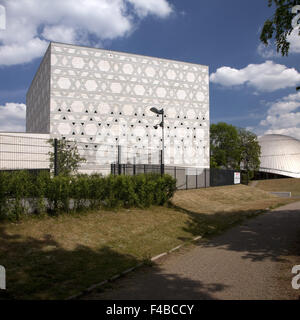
column 234, row 148
column 68, row 157
column 249, row 152
column 224, row 146
column 281, row 24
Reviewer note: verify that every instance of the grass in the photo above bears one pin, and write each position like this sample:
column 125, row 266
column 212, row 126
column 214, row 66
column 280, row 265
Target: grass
column 224, row 199
column 280, row 185
column 56, row 257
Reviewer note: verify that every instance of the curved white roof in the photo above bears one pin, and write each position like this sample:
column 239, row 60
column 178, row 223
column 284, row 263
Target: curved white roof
column 280, row 154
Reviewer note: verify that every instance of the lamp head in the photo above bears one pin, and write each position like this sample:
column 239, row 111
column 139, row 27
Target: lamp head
column 154, row 110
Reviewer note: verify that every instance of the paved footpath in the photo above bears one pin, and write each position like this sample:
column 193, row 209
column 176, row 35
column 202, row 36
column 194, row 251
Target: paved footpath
column 251, row 261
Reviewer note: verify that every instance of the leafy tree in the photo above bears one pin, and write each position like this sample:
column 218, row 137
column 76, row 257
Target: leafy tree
column 234, row 148
column 249, row 152
column 68, row 157
column 280, row 25
column 224, row 146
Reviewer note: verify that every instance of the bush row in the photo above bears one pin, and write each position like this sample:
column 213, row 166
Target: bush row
column 21, row 192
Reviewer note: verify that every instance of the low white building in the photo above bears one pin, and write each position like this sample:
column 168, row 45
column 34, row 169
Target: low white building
column 280, row 155
column 24, row 151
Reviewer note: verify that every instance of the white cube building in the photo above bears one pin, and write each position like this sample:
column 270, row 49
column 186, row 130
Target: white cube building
column 102, row 99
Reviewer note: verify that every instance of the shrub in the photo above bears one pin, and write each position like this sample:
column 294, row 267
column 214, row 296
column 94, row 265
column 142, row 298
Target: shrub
column 19, row 186
column 38, row 191
column 168, row 187
column 43, row 192
column 110, row 192
column 144, row 189
column 125, row 191
column 79, row 191
column 58, row 193
column 4, row 178
column 96, row 190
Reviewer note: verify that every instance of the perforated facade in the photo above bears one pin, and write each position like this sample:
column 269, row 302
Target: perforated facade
column 102, row 99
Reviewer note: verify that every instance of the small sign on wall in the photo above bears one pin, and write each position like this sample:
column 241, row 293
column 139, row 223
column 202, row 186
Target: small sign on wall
column 237, row 178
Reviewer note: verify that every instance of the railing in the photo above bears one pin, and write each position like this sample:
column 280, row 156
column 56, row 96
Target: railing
column 186, row 177
column 31, row 153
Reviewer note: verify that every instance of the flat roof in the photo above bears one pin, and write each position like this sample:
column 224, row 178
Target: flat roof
column 128, row 53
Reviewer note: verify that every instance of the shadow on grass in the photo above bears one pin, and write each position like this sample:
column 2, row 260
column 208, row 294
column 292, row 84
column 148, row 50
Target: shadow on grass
column 270, row 236
column 42, row 269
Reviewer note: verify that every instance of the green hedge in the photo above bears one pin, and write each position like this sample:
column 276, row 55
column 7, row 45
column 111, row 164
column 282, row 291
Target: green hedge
column 21, row 192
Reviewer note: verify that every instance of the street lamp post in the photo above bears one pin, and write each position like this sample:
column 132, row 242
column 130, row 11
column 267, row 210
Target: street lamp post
column 162, row 160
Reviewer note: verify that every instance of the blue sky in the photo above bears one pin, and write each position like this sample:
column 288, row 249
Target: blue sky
column 251, row 86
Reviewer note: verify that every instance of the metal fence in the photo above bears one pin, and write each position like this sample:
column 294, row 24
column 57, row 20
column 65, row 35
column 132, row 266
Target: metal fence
column 23, row 152
column 221, row 177
column 32, row 153
column 186, row 178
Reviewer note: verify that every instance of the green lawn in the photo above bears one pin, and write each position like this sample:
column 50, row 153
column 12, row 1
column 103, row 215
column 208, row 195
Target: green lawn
column 56, row 257
column 280, row 185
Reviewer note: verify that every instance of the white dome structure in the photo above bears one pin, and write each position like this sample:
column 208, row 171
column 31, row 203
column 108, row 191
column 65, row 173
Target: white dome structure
column 280, row 155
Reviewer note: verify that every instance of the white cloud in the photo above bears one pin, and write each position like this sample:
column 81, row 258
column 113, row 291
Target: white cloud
column 227, row 76
column 32, row 23
column 292, row 132
column 160, row 8
column 284, row 105
column 267, row 76
column 282, row 121
column 283, row 117
column 15, row 53
column 12, row 117
column 59, row 33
